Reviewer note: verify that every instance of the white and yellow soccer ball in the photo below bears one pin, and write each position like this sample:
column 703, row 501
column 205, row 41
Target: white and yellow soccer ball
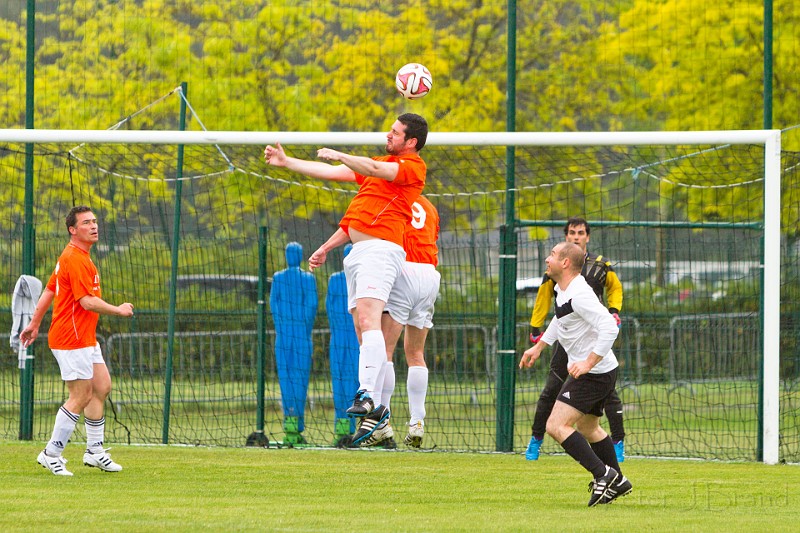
column 413, row 81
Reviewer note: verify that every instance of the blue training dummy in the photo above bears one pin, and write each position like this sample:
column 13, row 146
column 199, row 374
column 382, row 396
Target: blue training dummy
column 293, row 302
column 343, row 353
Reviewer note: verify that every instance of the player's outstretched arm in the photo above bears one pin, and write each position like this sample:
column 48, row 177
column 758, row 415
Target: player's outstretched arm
column 98, row 305
column 31, row 331
column 366, row 166
column 276, row 157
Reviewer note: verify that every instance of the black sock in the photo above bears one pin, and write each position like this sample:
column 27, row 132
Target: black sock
column 578, row 448
column 605, row 451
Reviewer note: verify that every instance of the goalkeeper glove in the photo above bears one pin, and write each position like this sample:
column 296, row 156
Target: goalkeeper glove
column 535, row 335
column 615, row 314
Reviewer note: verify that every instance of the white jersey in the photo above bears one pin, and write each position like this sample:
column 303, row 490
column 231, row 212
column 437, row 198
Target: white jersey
column 582, row 325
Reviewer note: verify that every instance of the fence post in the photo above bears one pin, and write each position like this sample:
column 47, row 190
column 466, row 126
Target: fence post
column 258, row 438
column 173, row 282
column 28, row 235
column 506, row 332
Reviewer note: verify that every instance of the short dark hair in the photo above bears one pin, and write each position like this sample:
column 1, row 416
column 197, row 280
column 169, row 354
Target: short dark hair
column 576, row 221
column 72, row 216
column 416, row 128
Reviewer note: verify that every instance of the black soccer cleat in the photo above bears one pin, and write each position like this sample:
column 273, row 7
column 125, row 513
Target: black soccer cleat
column 621, row 487
column 362, row 405
column 371, row 423
column 599, row 486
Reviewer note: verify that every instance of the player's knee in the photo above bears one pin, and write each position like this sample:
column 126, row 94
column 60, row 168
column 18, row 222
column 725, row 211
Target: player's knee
column 79, row 399
column 367, row 322
column 415, row 359
column 553, row 428
column 101, row 391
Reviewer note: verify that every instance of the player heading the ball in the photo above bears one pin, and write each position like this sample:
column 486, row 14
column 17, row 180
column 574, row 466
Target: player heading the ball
column 374, row 222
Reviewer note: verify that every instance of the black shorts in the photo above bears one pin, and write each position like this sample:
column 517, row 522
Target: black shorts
column 588, row 393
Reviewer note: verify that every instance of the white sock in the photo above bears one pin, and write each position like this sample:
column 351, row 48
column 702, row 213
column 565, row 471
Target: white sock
column 417, row 387
column 388, row 383
column 95, row 432
column 371, row 357
column 62, row 431
column 378, row 394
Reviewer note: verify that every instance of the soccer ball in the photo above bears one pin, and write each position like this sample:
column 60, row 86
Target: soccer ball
column 413, row 81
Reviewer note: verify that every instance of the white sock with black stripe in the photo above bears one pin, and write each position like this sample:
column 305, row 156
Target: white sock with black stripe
column 95, row 433
column 62, row 431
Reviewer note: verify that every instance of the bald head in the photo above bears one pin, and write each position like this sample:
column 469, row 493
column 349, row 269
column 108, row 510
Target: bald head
column 575, row 254
column 566, row 259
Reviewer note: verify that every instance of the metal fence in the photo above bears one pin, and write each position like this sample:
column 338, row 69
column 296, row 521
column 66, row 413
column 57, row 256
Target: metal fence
column 714, row 346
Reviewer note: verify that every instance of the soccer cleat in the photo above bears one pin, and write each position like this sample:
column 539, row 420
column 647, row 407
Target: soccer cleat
column 621, row 487
column 362, row 404
column 599, row 486
column 57, row 465
column 381, row 437
column 532, row 453
column 370, row 423
column 619, row 449
column 101, row 460
column 415, row 433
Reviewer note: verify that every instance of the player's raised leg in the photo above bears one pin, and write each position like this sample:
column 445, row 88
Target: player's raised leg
column 371, row 268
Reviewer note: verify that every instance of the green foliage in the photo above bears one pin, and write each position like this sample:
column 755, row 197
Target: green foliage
column 697, row 68
column 581, row 65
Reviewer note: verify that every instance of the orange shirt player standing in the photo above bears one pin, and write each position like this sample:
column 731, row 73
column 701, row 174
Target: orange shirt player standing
column 374, row 222
column 75, row 288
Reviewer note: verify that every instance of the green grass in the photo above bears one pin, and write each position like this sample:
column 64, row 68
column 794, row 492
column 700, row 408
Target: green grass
column 235, row 489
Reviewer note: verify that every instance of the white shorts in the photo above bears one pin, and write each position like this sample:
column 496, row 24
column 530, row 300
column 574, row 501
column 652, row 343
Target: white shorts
column 414, row 295
column 79, row 363
column 371, row 268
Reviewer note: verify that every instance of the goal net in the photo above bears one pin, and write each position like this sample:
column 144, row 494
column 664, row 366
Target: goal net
column 182, row 215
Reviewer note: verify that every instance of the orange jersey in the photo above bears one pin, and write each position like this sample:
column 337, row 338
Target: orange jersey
column 382, row 208
column 419, row 240
column 75, row 276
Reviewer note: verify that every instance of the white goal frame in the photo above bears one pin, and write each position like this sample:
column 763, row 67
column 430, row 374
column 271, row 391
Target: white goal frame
column 770, row 139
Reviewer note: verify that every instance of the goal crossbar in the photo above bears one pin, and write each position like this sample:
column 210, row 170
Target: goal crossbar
column 377, row 138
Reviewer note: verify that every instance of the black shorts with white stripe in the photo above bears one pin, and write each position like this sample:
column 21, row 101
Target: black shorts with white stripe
column 588, row 393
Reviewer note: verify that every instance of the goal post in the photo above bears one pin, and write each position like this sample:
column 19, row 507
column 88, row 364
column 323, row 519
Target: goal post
column 469, row 186
column 771, row 280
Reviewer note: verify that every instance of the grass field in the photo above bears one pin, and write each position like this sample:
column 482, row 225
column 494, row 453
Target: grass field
column 237, row 489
